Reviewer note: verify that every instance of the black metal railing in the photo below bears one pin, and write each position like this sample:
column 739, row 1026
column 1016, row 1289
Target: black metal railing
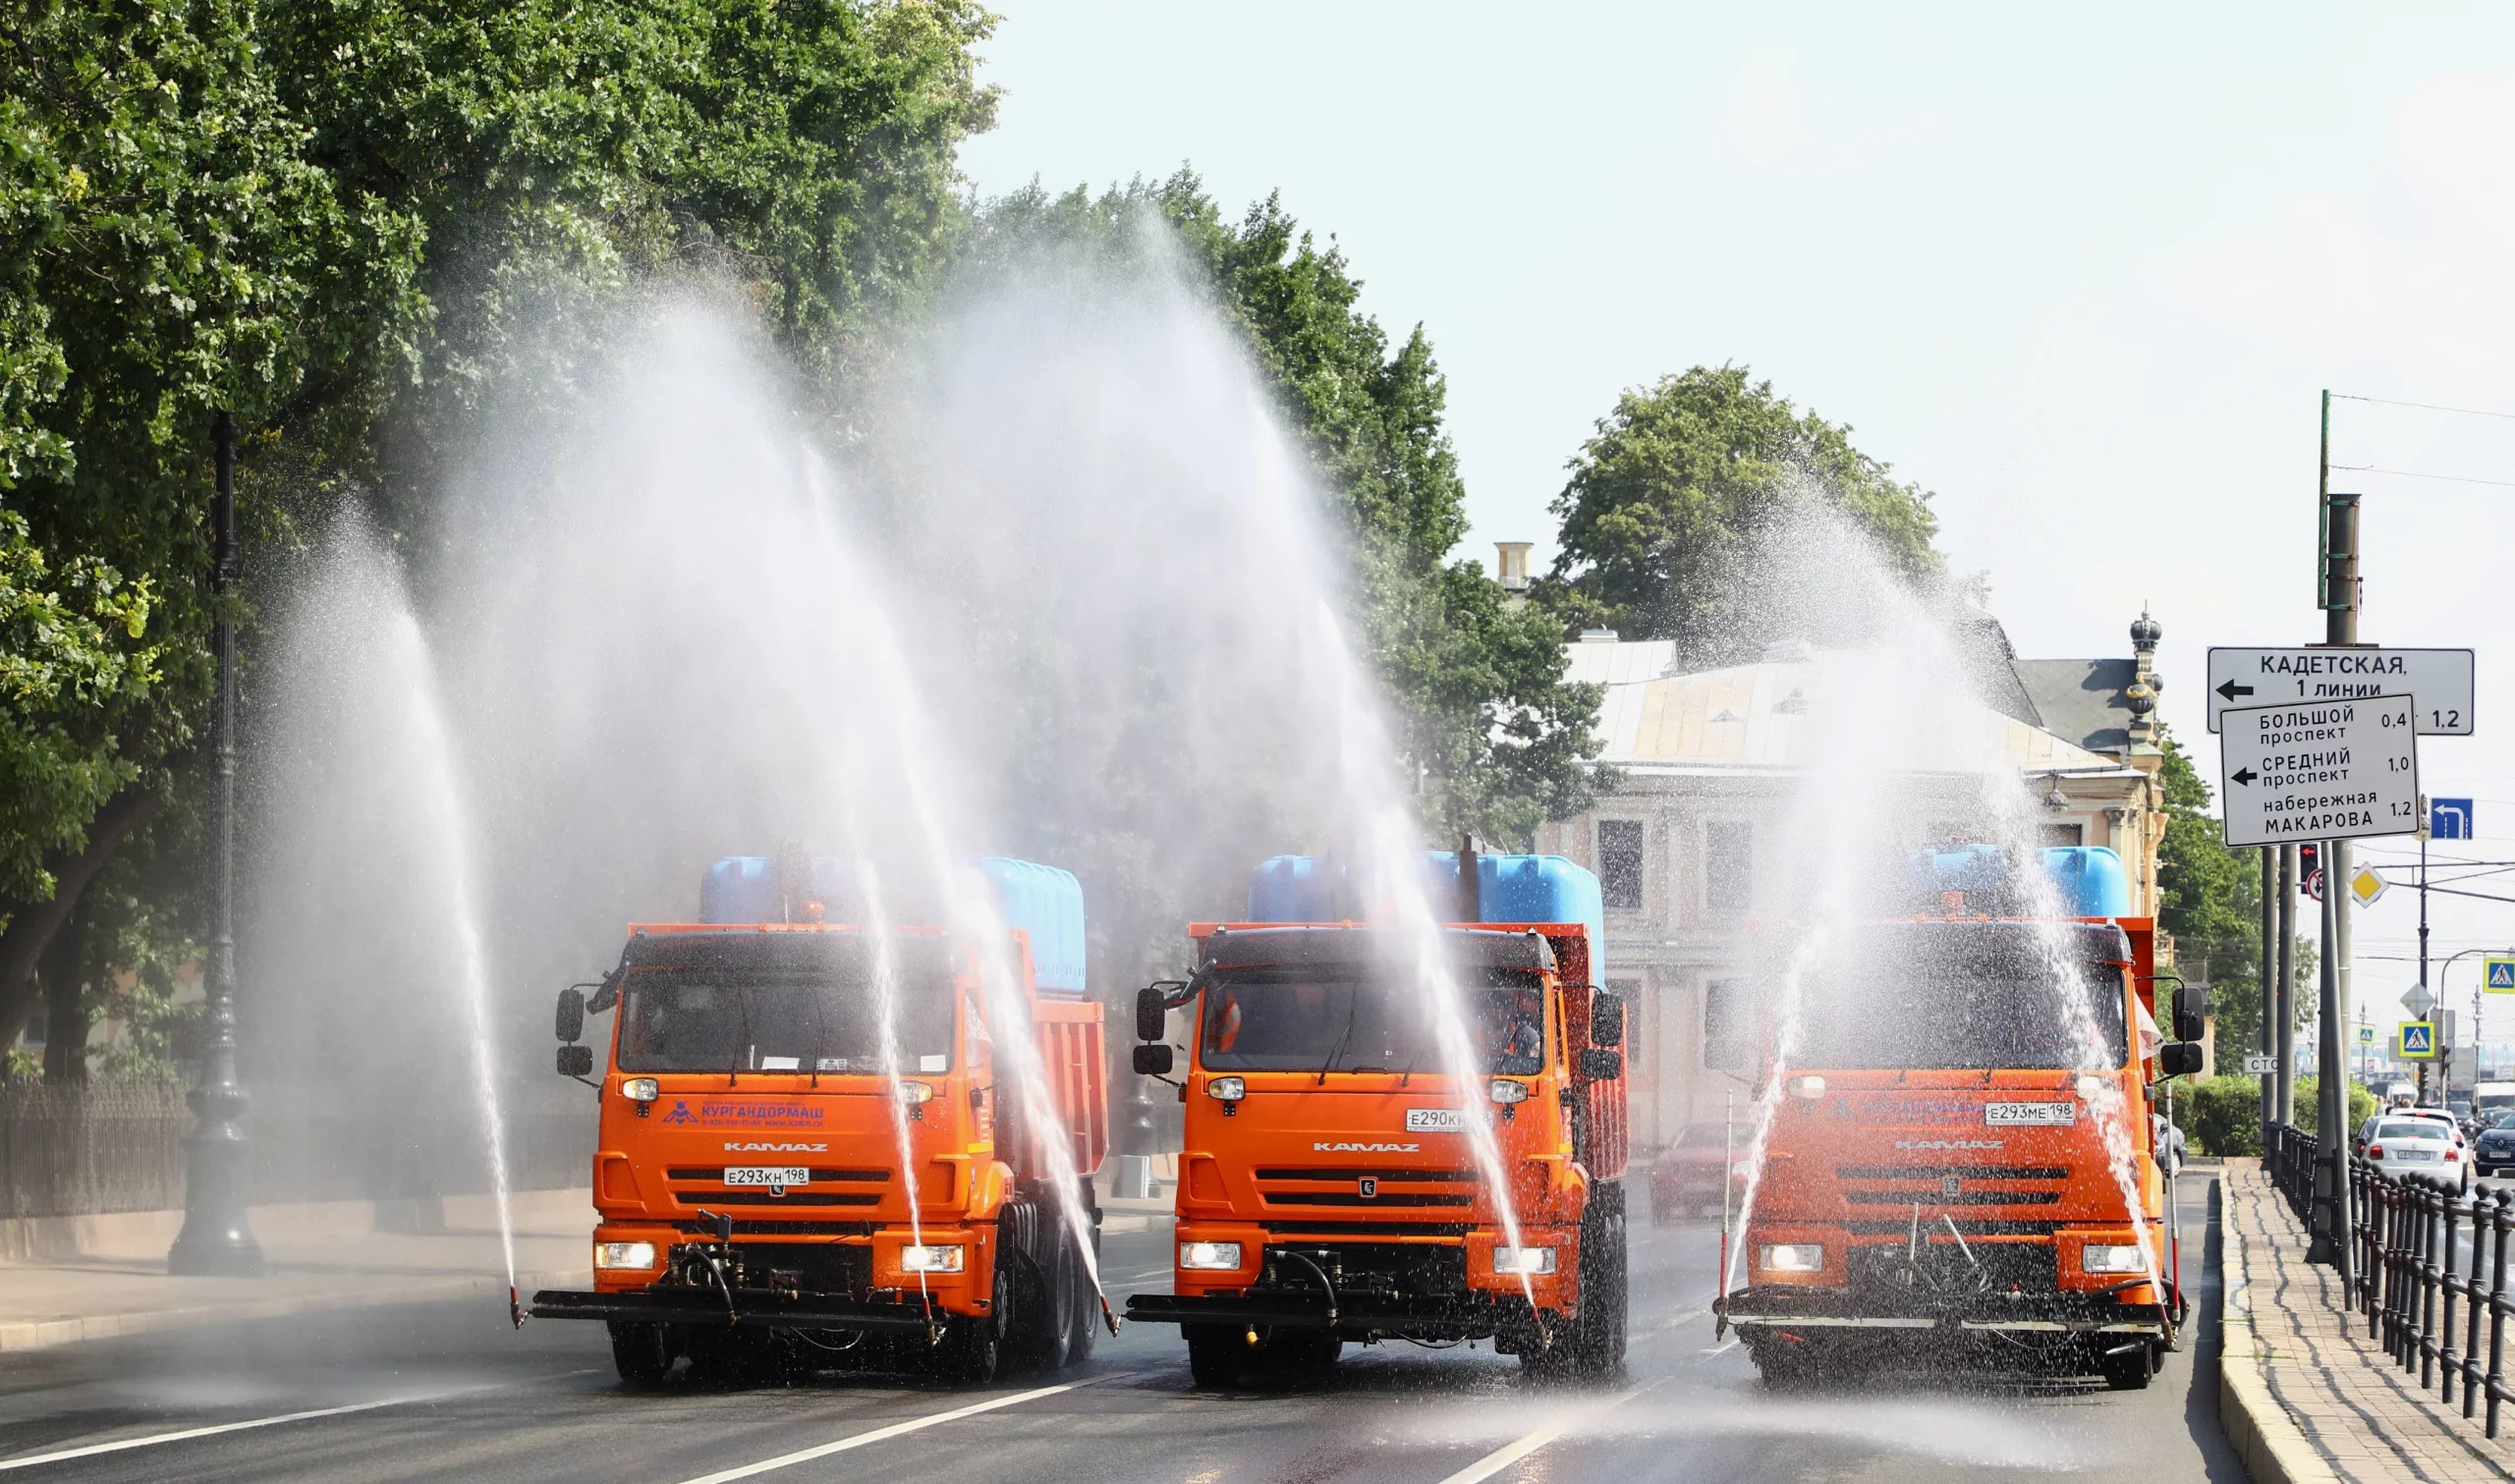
column 2291, row 1161
column 2432, row 1277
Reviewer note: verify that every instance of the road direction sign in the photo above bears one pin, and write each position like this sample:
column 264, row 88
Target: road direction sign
column 2441, row 678
column 2418, row 1042
column 2259, row 1065
column 2367, row 884
column 2450, row 819
column 2319, row 770
column 2418, row 1002
column 2498, row 976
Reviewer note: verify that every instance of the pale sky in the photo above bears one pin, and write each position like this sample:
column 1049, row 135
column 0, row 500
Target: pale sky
column 2080, row 272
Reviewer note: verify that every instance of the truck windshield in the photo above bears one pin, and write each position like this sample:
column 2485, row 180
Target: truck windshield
column 1946, row 996
column 1313, row 1018
column 719, row 1020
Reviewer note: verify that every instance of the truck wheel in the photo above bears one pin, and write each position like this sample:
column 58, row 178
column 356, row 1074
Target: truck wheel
column 971, row 1354
column 1043, row 1330
column 1216, row 1354
column 1782, row 1364
column 2130, row 1370
column 643, row 1352
column 1594, row 1346
column 1083, row 1321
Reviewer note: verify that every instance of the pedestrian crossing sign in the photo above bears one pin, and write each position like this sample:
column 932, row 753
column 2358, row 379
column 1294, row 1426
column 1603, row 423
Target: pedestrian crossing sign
column 2418, row 1042
column 2499, row 975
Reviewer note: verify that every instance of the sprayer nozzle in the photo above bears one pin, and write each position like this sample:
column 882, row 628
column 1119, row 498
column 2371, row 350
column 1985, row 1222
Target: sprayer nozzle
column 1109, row 1316
column 514, row 1307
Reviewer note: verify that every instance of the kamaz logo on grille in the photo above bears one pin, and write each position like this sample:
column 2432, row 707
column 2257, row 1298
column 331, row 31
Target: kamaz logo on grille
column 1947, row 1185
column 1326, row 1148
column 1368, row 1185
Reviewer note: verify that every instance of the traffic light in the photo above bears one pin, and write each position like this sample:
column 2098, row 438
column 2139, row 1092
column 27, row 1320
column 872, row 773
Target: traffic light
column 2310, row 870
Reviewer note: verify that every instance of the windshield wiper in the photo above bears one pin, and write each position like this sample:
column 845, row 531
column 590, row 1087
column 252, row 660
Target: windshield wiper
column 741, row 1038
column 1352, row 1005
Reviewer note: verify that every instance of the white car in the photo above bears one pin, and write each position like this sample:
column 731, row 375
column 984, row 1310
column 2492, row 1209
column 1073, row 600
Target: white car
column 2420, row 1146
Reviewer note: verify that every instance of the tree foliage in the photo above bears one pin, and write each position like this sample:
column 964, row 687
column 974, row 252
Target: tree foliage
column 1680, row 483
column 2210, row 899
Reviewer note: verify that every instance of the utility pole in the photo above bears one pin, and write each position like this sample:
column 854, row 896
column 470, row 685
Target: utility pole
column 2270, row 1001
column 217, row 1240
column 2338, row 581
column 2286, row 1111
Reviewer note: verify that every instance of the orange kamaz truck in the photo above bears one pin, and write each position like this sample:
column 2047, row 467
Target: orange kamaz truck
column 1330, row 1187
column 777, row 1189
column 1959, row 1165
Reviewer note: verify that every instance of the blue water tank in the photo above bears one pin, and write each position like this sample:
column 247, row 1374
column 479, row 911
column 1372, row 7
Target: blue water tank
column 1041, row 899
column 1508, row 889
column 2088, row 879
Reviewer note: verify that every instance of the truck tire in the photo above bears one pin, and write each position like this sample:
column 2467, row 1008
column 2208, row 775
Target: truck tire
column 973, row 1349
column 1041, row 1336
column 2130, row 1371
column 1083, row 1319
column 1591, row 1345
column 1216, row 1354
column 642, row 1352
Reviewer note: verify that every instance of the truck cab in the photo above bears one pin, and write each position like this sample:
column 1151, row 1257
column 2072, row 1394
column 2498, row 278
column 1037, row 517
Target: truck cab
column 1332, row 1187
column 1958, row 1160
column 784, row 1179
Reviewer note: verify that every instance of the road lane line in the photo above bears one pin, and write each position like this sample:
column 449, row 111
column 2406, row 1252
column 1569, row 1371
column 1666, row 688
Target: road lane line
column 1519, row 1448
column 154, row 1439
column 896, row 1429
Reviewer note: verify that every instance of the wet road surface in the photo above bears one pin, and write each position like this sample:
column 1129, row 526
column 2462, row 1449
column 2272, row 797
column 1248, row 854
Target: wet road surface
column 447, row 1390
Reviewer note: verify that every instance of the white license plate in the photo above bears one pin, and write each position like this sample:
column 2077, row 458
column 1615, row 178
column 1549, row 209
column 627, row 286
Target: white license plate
column 1435, row 1121
column 2415, row 1156
column 2030, row 1113
column 767, row 1174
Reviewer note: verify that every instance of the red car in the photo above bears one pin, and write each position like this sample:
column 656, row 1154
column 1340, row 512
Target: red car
column 1685, row 1180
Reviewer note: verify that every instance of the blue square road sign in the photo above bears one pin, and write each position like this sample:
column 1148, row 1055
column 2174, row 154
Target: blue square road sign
column 2502, row 976
column 2418, row 1042
column 2450, row 819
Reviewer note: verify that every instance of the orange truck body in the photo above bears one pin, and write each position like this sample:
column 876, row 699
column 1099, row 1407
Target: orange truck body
column 1950, row 1212
column 1352, row 1204
column 739, row 1208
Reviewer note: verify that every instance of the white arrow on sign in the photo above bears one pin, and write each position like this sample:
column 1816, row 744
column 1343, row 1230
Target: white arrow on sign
column 2440, row 680
column 2418, row 1002
column 2319, row 770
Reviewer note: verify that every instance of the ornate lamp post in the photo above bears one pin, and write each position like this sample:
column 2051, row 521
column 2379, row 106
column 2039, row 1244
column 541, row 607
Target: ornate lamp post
column 216, row 1239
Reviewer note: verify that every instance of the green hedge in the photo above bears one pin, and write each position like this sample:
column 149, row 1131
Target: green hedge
column 2221, row 1116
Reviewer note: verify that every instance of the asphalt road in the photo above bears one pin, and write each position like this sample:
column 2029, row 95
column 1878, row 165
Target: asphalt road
column 448, row 1392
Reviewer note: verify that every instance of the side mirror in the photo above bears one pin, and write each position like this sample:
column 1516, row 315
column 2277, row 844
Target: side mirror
column 2191, row 1011
column 572, row 1015
column 1606, row 1018
column 1597, row 1064
column 1153, row 1061
column 575, row 1061
column 2176, row 1058
column 1152, row 1012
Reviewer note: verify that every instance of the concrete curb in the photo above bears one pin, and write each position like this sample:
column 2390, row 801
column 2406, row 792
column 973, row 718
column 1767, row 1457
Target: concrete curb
column 2274, row 1448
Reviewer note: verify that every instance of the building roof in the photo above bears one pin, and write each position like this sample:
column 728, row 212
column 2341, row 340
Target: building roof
column 1763, row 717
column 2082, row 699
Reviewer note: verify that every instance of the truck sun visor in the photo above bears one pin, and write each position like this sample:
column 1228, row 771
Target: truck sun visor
column 917, row 956
column 1252, row 946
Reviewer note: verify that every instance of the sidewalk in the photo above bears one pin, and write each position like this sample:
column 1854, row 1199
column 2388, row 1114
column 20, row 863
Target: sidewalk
column 68, row 1279
column 2304, row 1393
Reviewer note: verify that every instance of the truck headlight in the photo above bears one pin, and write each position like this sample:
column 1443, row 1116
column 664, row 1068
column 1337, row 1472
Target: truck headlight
column 1226, row 1089
column 1791, row 1257
column 1209, row 1256
column 2090, row 1087
column 635, row 1256
column 1529, row 1262
column 933, row 1259
column 1506, row 1092
column 639, row 1089
column 1811, row 1086
column 2112, row 1257
column 918, row 1092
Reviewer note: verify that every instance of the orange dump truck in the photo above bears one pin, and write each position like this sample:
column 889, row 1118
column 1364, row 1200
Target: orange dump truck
column 775, row 1190
column 1330, row 1187
column 1959, row 1166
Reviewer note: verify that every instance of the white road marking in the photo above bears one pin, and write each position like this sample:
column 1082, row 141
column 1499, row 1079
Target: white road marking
column 154, row 1439
column 896, row 1429
column 1729, row 1343
column 1519, row 1448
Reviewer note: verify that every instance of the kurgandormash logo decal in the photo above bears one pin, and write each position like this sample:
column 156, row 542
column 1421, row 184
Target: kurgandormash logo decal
column 776, row 1148
column 1324, row 1148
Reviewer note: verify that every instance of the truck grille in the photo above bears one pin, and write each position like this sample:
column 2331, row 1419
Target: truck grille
column 1388, row 1187
column 1943, row 1186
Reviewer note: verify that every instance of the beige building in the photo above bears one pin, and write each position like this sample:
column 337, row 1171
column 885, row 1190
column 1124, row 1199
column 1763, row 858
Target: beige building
column 1716, row 763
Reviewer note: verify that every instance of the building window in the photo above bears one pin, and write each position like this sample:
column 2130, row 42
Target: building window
column 1724, row 1025
column 1729, row 864
column 1620, row 864
column 2065, row 834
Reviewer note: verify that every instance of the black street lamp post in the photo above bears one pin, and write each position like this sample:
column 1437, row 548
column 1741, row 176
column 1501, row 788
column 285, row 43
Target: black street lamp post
column 217, row 1240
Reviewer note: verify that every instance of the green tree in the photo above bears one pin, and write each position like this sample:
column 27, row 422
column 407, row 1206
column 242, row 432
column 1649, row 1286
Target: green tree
column 1679, row 484
column 2210, row 899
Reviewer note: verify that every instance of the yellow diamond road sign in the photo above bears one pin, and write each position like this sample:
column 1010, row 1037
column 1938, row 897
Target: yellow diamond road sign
column 2366, row 886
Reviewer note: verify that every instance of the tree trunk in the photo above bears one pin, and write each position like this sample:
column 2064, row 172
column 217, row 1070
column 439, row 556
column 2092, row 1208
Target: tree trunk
column 31, row 926
column 65, row 1015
